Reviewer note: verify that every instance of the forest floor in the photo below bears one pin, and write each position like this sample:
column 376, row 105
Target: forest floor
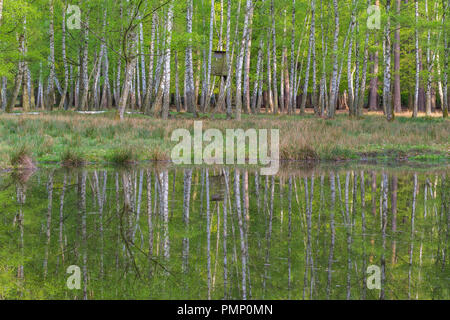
column 71, row 138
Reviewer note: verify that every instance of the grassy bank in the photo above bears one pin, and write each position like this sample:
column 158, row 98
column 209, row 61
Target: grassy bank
column 73, row 139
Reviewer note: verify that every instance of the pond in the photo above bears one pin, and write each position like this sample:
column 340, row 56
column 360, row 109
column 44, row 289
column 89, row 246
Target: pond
column 353, row 231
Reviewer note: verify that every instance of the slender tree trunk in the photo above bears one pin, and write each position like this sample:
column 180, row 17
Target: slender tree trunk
column 106, row 99
column 351, row 92
column 189, row 73
column 334, row 89
column 84, row 63
column 207, row 101
column 397, row 90
column 149, row 90
column 66, row 69
column 291, row 105
column 229, row 56
column 177, row 85
column 256, row 89
column 19, row 78
column 416, row 91
column 1, row 11
column 166, row 98
column 357, row 77
column 359, row 111
column 248, row 49
column 240, row 60
column 429, row 66
column 50, row 93
column 26, row 91
column 308, row 63
column 3, row 96
column 129, row 71
column 445, row 102
column 387, row 96
column 274, row 57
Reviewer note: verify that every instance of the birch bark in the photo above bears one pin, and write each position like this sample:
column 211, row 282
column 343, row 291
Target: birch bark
column 416, row 91
column 334, row 89
column 189, row 73
column 167, row 56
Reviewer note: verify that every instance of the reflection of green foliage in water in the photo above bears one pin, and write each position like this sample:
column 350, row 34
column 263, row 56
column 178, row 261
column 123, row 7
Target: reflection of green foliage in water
column 266, row 275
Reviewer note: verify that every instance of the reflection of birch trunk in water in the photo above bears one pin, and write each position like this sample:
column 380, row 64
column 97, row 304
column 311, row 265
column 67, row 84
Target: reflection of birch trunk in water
column 49, row 220
column 355, row 198
column 311, row 258
column 138, row 208
column 374, row 191
column 269, row 235
column 208, row 233
column 425, row 198
column 363, row 231
column 266, row 190
column 394, row 217
column 149, row 220
column 321, row 208
column 82, row 213
column 101, row 198
column 333, row 233
column 102, row 205
column 186, row 205
column 233, row 233
column 383, row 234
column 216, row 260
column 411, row 246
column 309, row 262
column 281, row 205
column 444, row 210
column 201, row 192
column 127, row 206
column 241, row 231
column 374, row 208
column 21, row 197
column 347, row 221
column 172, row 198
column 246, row 198
column 225, row 234
column 428, row 186
column 157, row 210
column 289, row 233
column 246, row 223
column 118, row 218
column 61, row 217
column 164, row 177
column 257, row 192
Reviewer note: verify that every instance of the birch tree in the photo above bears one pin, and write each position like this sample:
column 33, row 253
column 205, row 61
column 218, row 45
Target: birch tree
column 397, row 89
column 50, row 93
column 167, row 56
column 1, row 11
column 387, row 95
column 417, row 77
column 446, row 6
column 308, row 63
column 189, row 73
column 333, row 88
column 240, row 60
column 274, row 56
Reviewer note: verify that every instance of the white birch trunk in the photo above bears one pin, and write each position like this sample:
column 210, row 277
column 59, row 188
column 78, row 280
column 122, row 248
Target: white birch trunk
column 167, row 56
column 416, row 91
column 189, row 73
column 334, row 89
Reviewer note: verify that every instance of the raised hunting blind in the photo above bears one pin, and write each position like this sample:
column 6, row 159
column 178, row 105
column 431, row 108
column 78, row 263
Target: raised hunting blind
column 217, row 185
column 219, row 64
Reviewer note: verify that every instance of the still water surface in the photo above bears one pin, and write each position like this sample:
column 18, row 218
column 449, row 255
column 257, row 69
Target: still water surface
column 225, row 233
